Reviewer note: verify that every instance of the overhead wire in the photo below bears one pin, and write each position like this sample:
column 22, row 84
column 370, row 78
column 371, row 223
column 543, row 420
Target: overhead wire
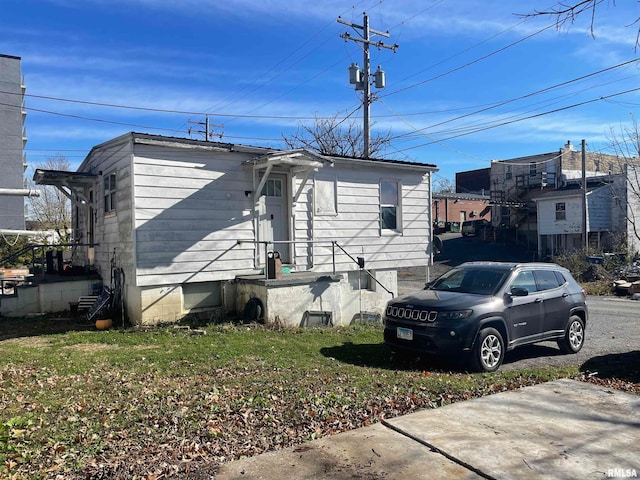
column 291, row 117
column 489, row 127
column 528, row 95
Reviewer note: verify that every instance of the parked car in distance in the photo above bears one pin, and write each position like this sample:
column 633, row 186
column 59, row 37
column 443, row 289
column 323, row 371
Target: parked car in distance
column 483, row 309
column 473, row 227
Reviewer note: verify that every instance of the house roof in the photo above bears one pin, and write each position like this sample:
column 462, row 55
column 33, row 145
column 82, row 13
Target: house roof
column 138, row 137
column 570, row 191
column 62, row 177
column 460, row 196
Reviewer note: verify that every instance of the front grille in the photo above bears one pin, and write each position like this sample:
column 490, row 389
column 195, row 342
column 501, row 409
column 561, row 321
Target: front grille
column 410, row 313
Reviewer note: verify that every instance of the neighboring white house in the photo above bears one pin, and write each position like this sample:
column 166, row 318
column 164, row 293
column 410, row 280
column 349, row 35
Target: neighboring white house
column 186, row 225
column 561, row 217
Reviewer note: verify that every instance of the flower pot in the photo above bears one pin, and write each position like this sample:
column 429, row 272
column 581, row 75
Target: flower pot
column 104, row 324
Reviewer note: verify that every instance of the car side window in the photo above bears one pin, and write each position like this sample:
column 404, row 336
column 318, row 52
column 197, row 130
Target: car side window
column 546, row 279
column 524, row 280
column 560, row 277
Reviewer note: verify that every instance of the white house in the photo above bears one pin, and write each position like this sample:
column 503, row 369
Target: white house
column 561, row 217
column 185, row 226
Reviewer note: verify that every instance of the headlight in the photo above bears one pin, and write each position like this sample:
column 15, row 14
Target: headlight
column 456, row 315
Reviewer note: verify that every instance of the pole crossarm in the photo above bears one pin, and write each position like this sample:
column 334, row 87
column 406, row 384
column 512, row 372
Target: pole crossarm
column 379, row 44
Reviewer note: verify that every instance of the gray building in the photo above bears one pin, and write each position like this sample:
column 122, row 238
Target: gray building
column 12, row 141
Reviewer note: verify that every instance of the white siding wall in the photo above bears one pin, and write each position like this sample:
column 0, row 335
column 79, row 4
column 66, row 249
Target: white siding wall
column 190, row 211
column 356, row 226
column 547, row 223
column 112, row 231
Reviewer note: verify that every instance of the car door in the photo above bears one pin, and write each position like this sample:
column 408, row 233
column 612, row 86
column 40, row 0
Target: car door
column 555, row 301
column 524, row 313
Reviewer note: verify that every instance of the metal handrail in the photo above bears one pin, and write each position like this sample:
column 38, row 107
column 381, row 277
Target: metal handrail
column 34, row 248
column 333, row 243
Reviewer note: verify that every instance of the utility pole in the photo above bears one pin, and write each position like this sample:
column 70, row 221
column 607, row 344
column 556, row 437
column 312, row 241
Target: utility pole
column 585, row 229
column 207, row 129
column 361, row 79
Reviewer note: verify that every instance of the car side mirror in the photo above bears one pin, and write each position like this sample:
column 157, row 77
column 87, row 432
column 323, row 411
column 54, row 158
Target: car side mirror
column 519, row 292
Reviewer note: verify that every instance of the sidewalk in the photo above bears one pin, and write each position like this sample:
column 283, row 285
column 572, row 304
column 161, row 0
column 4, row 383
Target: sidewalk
column 562, row 430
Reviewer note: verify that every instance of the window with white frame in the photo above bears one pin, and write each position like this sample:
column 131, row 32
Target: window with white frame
column 561, row 213
column 110, row 193
column 389, row 205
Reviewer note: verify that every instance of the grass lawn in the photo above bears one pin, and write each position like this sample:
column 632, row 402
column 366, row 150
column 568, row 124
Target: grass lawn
column 169, row 401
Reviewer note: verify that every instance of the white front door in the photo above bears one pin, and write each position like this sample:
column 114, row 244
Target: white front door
column 274, row 220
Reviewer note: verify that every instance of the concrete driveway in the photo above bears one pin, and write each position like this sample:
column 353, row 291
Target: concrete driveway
column 563, row 430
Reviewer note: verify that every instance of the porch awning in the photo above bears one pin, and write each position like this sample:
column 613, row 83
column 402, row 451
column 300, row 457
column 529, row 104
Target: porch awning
column 75, row 182
column 299, row 162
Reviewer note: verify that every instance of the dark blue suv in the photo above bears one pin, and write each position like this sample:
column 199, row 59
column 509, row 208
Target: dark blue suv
column 482, row 309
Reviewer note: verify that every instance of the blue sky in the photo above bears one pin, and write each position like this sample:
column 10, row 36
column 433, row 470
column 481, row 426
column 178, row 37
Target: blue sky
column 261, row 68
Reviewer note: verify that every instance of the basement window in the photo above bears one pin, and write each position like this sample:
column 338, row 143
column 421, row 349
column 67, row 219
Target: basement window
column 202, row 295
column 561, row 213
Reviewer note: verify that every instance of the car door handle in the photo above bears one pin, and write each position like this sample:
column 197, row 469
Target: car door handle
column 538, row 300
column 565, row 295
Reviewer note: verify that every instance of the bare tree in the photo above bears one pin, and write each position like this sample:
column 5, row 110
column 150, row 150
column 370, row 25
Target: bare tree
column 625, row 144
column 444, row 185
column 52, row 209
column 567, row 13
column 332, row 136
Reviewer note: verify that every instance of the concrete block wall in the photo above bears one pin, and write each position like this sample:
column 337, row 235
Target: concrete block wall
column 45, row 298
column 160, row 305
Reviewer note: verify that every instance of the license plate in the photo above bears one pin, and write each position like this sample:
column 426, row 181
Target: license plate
column 404, row 333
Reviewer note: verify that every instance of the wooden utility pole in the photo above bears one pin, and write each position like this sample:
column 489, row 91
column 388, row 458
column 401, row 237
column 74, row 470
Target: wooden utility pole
column 362, row 83
column 585, row 230
column 207, row 129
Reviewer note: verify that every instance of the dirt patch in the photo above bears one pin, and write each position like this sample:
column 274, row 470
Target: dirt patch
column 40, row 326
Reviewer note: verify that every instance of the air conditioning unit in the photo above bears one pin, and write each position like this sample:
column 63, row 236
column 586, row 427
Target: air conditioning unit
column 474, row 213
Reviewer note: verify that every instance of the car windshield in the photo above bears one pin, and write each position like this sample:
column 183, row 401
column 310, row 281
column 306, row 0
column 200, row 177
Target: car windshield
column 477, row 280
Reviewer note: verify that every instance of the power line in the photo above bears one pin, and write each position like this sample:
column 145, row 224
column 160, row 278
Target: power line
column 522, row 97
column 489, row 127
column 484, row 57
column 157, row 110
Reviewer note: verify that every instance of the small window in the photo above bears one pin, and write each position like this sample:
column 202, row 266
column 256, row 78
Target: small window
column 533, row 169
column 325, row 197
column 546, row 280
column 202, row 295
column 508, row 174
column 561, row 213
column 359, row 280
column 597, row 165
column 560, row 278
column 389, row 205
column 273, row 187
column 110, row 193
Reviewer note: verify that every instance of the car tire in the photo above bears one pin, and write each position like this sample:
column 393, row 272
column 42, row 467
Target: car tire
column 573, row 339
column 488, row 352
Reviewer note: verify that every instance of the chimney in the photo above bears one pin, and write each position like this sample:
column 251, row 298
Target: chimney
column 569, row 146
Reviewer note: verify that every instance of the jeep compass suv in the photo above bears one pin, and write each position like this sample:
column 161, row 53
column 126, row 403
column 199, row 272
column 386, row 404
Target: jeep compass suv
column 482, row 309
